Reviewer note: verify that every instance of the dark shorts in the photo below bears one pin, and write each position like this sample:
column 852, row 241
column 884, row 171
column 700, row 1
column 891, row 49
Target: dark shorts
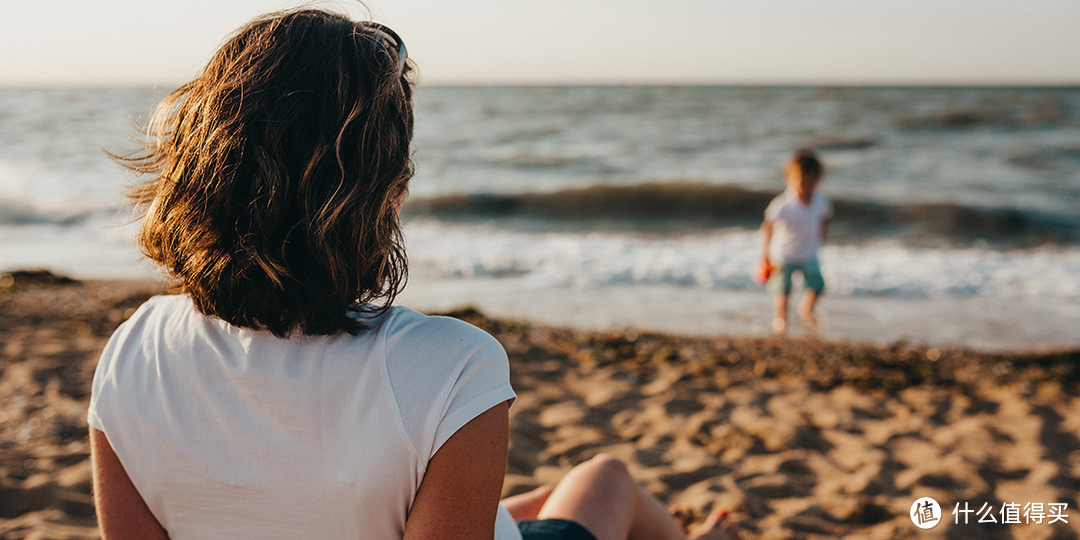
column 553, row 529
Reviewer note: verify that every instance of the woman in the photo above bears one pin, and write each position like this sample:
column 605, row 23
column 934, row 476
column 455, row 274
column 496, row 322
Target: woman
column 279, row 394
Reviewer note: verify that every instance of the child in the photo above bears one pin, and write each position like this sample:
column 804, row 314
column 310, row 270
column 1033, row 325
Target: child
column 798, row 216
column 281, row 394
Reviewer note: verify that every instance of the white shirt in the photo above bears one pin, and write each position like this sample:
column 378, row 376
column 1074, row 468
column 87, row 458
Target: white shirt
column 797, row 226
column 233, row 433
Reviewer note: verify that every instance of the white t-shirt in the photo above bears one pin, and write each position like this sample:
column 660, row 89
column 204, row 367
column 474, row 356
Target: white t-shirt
column 233, row 433
column 797, row 226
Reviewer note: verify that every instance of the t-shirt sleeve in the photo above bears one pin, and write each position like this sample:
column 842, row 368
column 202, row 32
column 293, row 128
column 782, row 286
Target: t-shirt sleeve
column 826, row 207
column 92, row 417
column 444, row 373
column 483, row 383
column 772, row 212
column 103, row 388
column 101, row 375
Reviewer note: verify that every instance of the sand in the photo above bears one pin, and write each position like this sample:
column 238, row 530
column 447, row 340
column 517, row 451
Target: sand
column 799, row 438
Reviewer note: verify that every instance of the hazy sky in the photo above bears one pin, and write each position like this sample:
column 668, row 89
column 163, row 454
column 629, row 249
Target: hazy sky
column 162, row 42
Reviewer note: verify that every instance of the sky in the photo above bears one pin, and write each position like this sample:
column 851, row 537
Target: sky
column 876, row 42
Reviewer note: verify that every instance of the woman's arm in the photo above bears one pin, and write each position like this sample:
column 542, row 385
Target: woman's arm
column 122, row 513
column 460, row 492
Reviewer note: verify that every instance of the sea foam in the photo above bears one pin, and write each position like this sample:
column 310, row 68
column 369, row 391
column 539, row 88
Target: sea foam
column 725, row 259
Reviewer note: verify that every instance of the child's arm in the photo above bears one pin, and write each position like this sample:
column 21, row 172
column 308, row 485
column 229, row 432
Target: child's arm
column 766, row 238
column 764, row 267
column 825, row 217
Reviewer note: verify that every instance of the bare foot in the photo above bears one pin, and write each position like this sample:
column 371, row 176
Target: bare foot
column 779, row 326
column 683, row 518
column 809, row 319
column 719, row 526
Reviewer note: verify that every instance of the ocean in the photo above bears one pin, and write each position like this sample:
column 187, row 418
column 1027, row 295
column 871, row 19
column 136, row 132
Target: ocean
column 957, row 209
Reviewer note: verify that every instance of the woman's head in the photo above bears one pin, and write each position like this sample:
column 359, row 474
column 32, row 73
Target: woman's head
column 276, row 175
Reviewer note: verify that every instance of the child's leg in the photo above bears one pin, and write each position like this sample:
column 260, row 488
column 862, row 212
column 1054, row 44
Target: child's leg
column 815, row 284
column 779, row 322
column 806, row 307
column 601, row 496
column 780, row 285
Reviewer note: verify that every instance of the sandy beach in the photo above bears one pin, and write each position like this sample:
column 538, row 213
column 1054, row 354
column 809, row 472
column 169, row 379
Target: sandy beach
column 798, row 437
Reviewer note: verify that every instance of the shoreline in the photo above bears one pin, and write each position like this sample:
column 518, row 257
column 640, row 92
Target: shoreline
column 976, row 324
column 797, row 437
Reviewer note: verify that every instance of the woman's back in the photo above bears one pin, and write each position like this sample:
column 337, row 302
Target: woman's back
column 280, row 396
column 230, row 432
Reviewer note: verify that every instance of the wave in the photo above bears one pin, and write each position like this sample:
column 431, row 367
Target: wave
column 691, row 206
column 1001, row 108
column 725, row 260
column 15, row 213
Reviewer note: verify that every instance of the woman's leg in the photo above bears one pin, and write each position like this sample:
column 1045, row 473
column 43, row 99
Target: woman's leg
column 601, row 496
column 527, row 505
column 719, row 527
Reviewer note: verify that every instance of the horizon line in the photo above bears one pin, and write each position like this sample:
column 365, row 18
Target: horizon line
column 42, row 85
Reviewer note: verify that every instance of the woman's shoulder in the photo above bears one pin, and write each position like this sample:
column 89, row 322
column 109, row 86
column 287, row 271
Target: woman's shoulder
column 157, row 309
column 403, row 322
column 164, row 303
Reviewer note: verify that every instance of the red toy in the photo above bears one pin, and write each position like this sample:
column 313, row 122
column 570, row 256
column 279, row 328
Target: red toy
column 764, row 269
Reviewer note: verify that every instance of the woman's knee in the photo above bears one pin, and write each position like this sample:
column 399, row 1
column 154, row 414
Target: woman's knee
column 598, row 494
column 606, row 469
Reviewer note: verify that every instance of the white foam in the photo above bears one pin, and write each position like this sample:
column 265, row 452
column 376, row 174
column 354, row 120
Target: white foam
column 725, row 260
column 988, row 324
column 100, row 249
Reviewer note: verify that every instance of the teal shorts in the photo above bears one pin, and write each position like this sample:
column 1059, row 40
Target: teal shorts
column 780, row 282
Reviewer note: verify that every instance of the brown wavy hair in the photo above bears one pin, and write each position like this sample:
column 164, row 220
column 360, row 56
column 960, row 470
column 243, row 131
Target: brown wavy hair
column 276, row 176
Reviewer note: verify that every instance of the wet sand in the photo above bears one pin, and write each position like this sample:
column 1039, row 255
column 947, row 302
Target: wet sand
column 799, row 438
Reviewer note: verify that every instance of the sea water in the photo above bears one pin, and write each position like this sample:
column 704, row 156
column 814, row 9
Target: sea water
column 941, row 194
